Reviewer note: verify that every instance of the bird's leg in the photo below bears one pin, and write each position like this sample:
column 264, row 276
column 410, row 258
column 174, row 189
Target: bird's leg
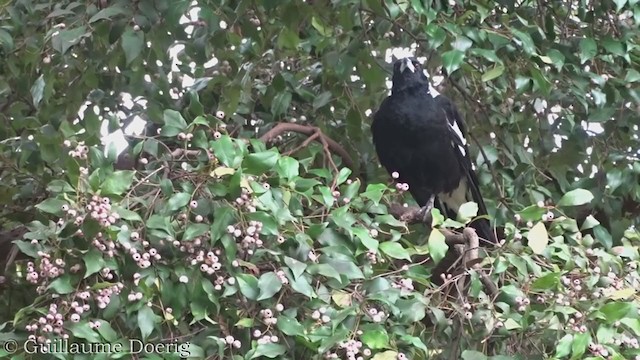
column 425, row 211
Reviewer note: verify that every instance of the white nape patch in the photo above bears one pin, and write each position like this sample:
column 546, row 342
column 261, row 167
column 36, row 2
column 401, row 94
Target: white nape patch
column 457, row 197
column 398, row 53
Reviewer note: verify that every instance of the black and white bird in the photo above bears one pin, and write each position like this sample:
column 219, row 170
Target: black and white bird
column 419, row 134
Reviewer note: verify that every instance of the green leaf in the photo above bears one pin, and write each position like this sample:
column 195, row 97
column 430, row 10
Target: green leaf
column 147, row 320
column 194, row 230
column 93, row 262
column 633, row 75
column 588, row 49
column 224, row 150
column 563, row 348
column 546, row 282
column 437, row 245
column 62, row 285
column 321, row 100
column 538, row 238
column 83, row 331
column 526, row 41
column 269, row 284
column 557, row 58
column 632, row 324
column 224, row 217
column 106, row 13
column 375, row 337
column 342, row 299
column 495, row 72
column 297, row 267
column 270, row 350
column 620, row 4
column 59, row 186
column 614, row 47
column 248, row 285
column 280, row 103
column 37, row 90
column 174, row 119
column 126, row 214
column 118, row 182
column 365, row 238
column 178, row 201
column 374, row 192
column 6, row 41
column 580, row 343
column 51, row 206
column 324, row 30
column 576, row 197
column 387, row 355
column 302, row 286
column 288, row 39
column 614, row 311
column 451, row 60
column 467, row 212
column 288, row 167
column 394, row 250
column 106, row 331
column 290, row 326
column 68, row 37
column 511, row 324
column 132, row 44
column 473, row 355
column 415, row 341
column 258, row 163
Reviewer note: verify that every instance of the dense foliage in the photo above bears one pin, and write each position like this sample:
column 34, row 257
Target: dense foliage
column 218, row 230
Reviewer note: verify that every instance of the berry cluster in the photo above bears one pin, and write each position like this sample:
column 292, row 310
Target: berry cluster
column 105, row 245
column 522, row 303
column 80, row 152
column 376, row 315
column 246, row 201
column 231, row 341
column 46, row 268
column 282, row 277
column 321, row 316
column 265, row 338
column 53, row 323
column 372, row 256
column 250, row 237
column 142, row 257
column 405, row 286
column 267, row 317
column 209, row 262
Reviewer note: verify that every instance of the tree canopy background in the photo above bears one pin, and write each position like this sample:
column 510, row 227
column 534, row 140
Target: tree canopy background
column 213, row 216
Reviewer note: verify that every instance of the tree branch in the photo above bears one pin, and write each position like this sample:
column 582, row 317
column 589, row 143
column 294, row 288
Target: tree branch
column 330, row 145
column 466, row 244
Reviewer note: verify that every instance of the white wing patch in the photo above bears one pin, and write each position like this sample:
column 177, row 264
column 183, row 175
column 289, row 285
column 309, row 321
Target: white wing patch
column 458, row 132
column 457, row 197
column 432, row 91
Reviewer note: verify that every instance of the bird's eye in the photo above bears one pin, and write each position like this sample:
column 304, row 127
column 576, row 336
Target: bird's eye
column 416, row 64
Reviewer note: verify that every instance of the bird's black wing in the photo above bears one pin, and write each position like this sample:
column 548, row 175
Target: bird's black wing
column 469, row 184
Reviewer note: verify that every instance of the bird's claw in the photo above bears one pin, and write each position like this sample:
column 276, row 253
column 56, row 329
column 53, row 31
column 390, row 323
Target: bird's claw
column 425, row 211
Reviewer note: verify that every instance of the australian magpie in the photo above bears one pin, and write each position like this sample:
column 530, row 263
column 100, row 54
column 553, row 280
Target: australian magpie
column 419, row 134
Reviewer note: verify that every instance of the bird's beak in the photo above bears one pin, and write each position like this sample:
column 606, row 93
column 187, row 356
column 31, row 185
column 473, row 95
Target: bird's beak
column 407, row 64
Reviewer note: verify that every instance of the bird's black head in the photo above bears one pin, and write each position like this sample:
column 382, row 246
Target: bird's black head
column 407, row 74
